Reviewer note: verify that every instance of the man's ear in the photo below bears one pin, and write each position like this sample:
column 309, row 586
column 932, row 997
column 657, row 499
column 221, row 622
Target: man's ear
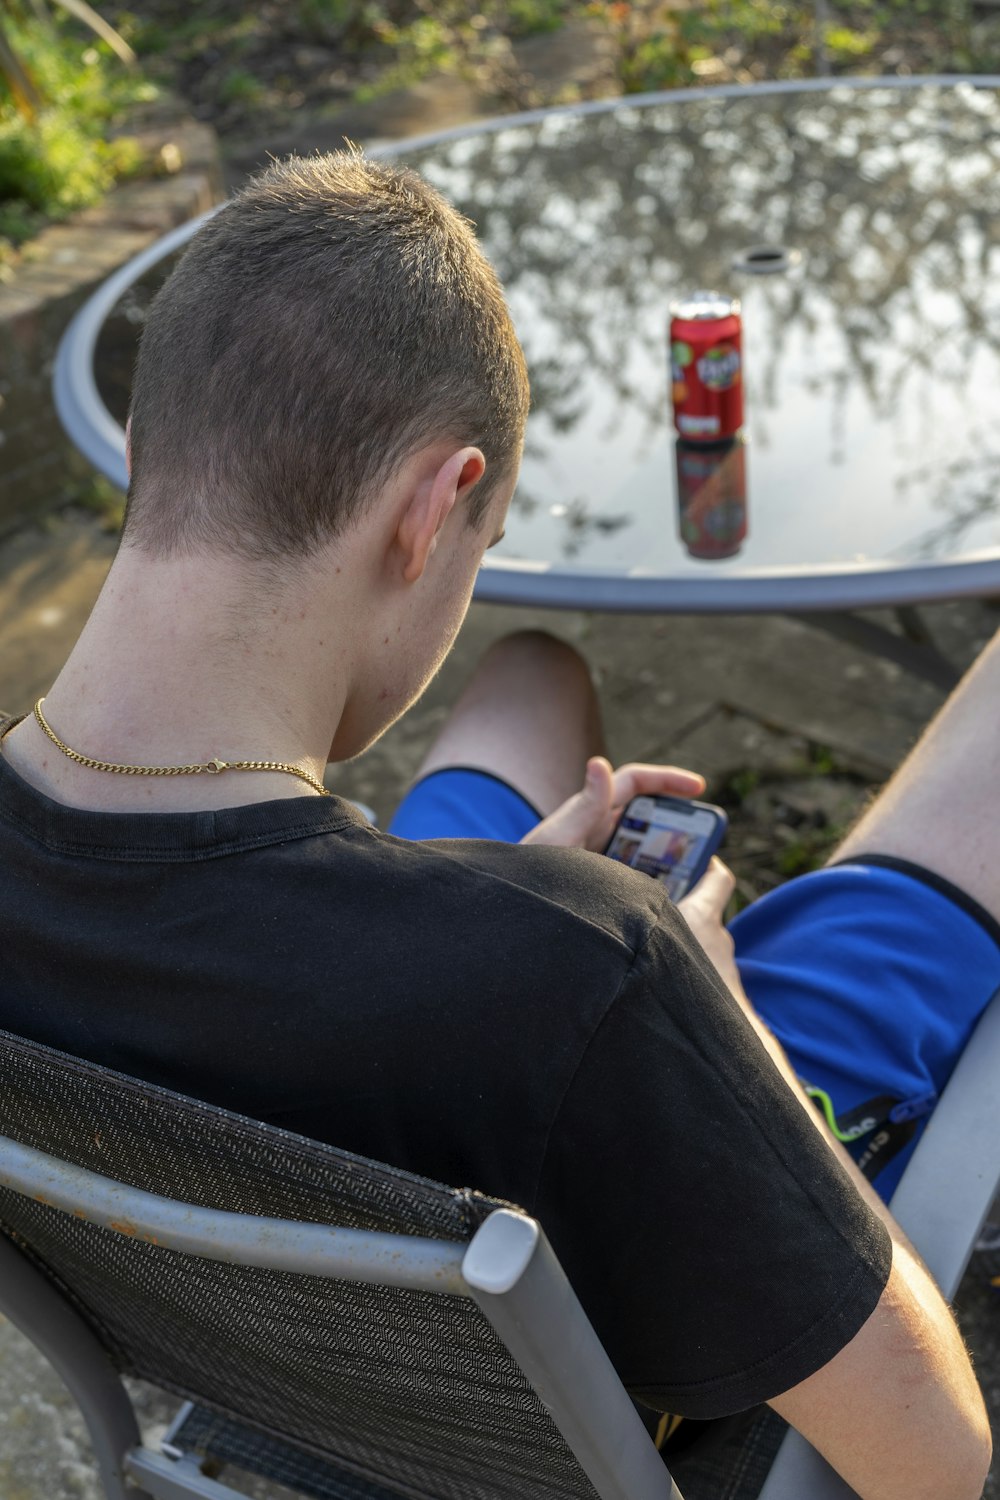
column 431, row 503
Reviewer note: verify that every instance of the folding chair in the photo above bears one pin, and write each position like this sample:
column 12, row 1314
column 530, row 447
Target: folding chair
column 429, row 1345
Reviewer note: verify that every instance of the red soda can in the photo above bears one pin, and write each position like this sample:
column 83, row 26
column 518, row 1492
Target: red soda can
column 712, row 498
column 706, row 367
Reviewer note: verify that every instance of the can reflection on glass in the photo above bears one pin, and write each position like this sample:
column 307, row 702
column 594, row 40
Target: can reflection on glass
column 712, row 498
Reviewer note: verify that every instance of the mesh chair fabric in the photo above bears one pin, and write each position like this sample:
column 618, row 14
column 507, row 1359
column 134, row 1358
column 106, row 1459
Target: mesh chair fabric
column 413, row 1390
column 206, row 1433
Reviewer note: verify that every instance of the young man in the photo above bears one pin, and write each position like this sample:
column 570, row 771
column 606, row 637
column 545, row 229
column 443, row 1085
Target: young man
column 326, row 427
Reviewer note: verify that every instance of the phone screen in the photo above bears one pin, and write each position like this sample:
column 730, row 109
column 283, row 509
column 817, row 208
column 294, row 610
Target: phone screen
column 666, row 839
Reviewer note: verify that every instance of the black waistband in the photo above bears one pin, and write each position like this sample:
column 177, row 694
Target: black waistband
column 938, row 883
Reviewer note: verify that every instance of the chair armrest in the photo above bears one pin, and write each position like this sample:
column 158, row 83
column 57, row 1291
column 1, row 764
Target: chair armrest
column 941, row 1202
column 946, row 1192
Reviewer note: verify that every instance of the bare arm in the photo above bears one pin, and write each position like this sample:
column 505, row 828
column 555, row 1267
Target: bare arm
column 898, row 1412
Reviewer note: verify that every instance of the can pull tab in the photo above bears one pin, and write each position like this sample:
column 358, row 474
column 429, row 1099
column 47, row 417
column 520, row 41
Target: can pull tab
column 913, row 1109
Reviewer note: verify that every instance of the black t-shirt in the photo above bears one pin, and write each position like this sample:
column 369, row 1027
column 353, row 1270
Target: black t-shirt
column 536, row 1023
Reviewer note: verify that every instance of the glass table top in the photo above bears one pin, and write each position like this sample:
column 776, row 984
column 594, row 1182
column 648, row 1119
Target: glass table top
column 871, row 365
column 870, row 471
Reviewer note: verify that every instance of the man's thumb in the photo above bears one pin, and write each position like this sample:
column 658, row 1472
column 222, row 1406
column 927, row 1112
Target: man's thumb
column 715, row 887
column 598, row 784
column 575, row 821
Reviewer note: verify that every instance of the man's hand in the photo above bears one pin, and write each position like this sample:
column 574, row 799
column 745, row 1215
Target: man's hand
column 704, row 909
column 588, row 819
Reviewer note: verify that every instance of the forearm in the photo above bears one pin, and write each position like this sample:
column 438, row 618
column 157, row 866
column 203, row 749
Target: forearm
column 898, row 1411
column 781, row 1062
column 933, row 1436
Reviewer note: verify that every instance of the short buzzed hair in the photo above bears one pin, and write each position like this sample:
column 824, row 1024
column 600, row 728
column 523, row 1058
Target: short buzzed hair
column 333, row 317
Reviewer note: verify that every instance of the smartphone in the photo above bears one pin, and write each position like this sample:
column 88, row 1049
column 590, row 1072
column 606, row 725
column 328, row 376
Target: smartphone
column 670, row 838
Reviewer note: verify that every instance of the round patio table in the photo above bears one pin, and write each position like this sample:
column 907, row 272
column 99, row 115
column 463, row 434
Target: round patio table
column 858, row 222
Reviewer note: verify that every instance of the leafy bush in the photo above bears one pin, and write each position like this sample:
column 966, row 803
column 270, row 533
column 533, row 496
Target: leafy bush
column 62, row 158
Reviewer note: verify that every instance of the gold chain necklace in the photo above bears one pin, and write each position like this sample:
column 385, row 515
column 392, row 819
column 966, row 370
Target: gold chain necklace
column 212, row 768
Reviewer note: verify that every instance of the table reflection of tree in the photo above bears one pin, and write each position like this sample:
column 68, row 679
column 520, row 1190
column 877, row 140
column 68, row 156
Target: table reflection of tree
column 596, row 221
column 969, row 487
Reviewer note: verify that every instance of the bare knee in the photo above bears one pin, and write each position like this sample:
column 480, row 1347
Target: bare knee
column 539, row 652
column 529, row 714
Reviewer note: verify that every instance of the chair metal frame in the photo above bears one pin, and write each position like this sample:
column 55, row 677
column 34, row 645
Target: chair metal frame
column 508, row 1268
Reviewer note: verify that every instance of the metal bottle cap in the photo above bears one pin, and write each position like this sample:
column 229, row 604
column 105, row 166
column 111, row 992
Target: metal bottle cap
column 705, row 305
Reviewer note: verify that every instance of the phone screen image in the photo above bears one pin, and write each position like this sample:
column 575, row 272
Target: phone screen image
column 669, row 839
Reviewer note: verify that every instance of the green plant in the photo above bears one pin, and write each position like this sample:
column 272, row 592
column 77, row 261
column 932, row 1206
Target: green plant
column 60, row 155
column 183, row 37
column 52, row 166
column 16, row 71
column 741, row 783
column 351, row 23
column 528, row 17
column 471, row 38
column 843, row 44
column 808, row 850
column 424, row 46
column 655, row 42
column 240, row 87
column 97, row 24
column 821, row 760
column 662, row 43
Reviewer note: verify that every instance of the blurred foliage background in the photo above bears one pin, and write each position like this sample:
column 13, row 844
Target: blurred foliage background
column 67, row 93
column 222, row 54
column 63, row 87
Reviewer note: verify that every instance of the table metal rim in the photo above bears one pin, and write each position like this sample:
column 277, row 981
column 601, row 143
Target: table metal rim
column 796, row 590
column 673, row 96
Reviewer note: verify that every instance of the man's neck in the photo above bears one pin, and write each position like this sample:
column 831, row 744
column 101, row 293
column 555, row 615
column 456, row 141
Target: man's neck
column 182, row 662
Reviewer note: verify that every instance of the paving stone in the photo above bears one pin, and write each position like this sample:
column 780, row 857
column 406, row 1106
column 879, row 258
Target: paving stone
column 49, row 579
column 45, row 1451
column 818, row 801
column 725, row 741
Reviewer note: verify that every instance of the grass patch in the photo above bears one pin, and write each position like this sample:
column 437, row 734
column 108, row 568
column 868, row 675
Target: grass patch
column 241, row 87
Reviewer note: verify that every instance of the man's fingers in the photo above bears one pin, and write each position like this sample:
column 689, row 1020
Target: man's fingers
column 714, row 889
column 588, row 818
column 639, row 780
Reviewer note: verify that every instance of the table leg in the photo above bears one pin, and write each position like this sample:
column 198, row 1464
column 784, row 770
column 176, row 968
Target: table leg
column 915, row 650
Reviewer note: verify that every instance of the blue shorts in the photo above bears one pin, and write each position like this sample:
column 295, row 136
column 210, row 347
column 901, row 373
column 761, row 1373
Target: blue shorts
column 872, row 974
column 460, row 803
